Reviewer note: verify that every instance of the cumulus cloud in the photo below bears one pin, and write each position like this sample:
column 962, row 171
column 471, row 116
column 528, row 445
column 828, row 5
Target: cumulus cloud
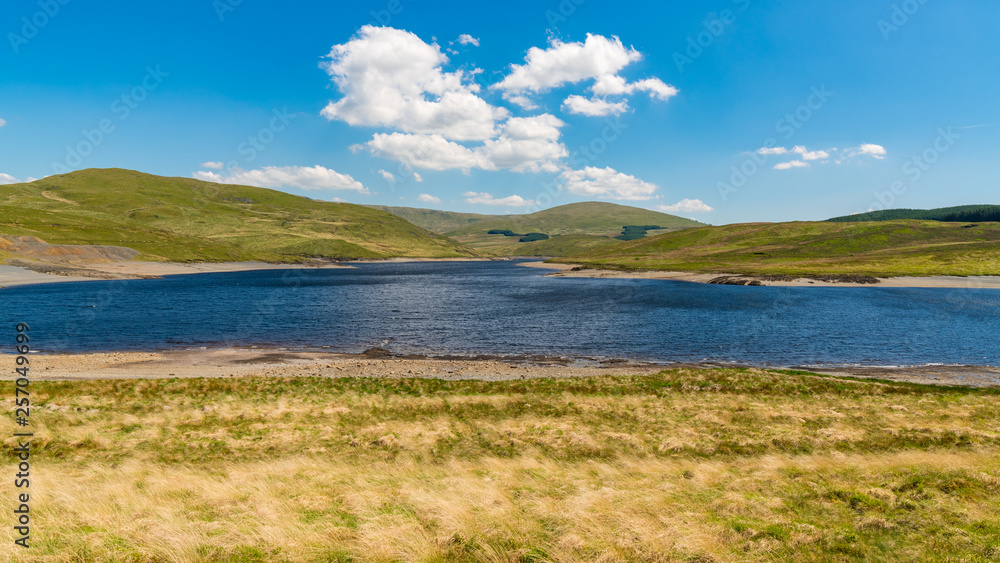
column 433, row 152
column 598, row 58
column 417, row 177
column 7, row 179
column 466, row 39
column 593, row 107
column 488, row 199
column 790, row 165
column 428, row 198
column 815, row 155
column 607, row 183
column 839, row 156
column 868, row 149
column 616, row 86
column 389, row 176
column 524, row 101
column 213, row 165
column 304, row 177
column 3, row 122
column 391, row 78
column 525, row 144
column 686, row 206
column 568, row 63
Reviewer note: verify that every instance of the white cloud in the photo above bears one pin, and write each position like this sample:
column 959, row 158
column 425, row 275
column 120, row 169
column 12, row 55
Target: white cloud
column 607, row 183
column 213, row 165
column 598, row 58
column 564, row 63
column 790, row 165
column 389, row 177
column 417, row 177
column 433, row 152
column 594, row 107
column 616, row 85
column 523, row 101
column 7, row 179
column 428, row 198
column 545, row 126
column 686, row 206
column 525, row 144
column 868, row 149
column 815, row 155
column 488, row 199
column 838, row 156
column 392, row 78
column 466, row 39
column 3, row 122
column 304, row 177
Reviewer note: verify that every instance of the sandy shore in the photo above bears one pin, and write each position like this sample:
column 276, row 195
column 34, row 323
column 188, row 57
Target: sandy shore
column 578, row 271
column 242, row 362
column 66, row 272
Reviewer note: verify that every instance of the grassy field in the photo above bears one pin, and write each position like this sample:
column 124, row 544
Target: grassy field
column 890, row 248
column 688, row 465
column 181, row 219
column 591, row 224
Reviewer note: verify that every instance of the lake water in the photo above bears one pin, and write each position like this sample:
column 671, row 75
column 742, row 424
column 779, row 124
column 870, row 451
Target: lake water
column 505, row 309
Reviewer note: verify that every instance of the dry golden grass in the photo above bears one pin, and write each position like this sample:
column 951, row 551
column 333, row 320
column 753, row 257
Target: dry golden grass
column 687, row 465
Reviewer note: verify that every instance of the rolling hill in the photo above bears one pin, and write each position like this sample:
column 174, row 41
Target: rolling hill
column 884, row 249
column 960, row 214
column 185, row 220
column 572, row 228
column 440, row 222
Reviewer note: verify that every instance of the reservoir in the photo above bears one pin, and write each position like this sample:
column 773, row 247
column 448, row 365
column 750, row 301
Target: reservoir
column 500, row 308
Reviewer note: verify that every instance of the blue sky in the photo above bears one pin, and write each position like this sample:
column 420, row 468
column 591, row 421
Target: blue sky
column 725, row 111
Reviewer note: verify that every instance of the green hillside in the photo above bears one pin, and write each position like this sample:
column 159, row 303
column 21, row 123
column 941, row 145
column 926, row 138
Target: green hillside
column 182, row 219
column 890, row 248
column 960, row 214
column 591, row 224
column 440, row 222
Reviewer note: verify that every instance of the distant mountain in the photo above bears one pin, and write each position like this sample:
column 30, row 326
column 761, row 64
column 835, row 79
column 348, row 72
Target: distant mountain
column 591, row 224
column 960, row 214
column 888, row 248
column 182, row 219
column 433, row 220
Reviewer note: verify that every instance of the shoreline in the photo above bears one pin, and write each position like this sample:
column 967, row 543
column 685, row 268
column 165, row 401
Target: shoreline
column 377, row 362
column 952, row 282
column 23, row 273
column 12, row 275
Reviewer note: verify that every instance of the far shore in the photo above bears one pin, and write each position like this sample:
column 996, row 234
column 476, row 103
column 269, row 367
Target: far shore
column 24, row 273
column 376, row 362
column 580, row 271
column 50, row 272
